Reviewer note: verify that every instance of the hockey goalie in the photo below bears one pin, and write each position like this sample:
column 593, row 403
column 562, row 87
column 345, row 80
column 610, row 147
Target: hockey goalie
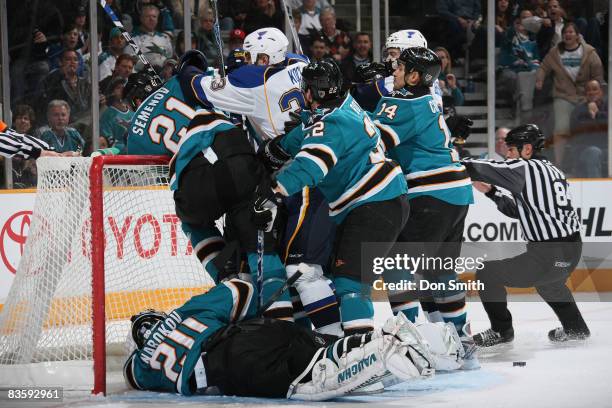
column 214, row 344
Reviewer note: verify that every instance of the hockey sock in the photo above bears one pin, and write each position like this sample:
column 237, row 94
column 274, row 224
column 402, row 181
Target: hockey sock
column 317, row 297
column 356, row 306
column 274, row 278
column 299, row 315
column 430, row 310
column 410, row 309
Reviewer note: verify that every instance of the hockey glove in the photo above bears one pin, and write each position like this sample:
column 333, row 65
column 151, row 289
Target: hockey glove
column 296, row 120
column 272, row 155
column 459, row 127
column 265, row 203
column 371, row 72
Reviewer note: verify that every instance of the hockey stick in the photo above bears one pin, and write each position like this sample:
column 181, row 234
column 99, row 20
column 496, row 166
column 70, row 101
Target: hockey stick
column 260, row 260
column 294, row 34
column 217, row 31
column 279, row 292
column 157, row 81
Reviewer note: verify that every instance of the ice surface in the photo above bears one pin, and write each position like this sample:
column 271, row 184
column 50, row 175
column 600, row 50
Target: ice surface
column 573, row 374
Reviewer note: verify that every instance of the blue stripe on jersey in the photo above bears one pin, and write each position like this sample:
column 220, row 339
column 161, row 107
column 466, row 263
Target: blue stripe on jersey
column 248, row 76
column 291, row 58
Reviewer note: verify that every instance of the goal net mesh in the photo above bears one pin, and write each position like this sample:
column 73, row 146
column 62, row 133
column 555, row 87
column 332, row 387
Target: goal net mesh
column 148, row 262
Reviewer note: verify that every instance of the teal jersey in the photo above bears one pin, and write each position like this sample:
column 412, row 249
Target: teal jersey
column 72, row 140
column 114, row 124
column 340, row 153
column 414, row 133
column 160, row 122
column 171, row 358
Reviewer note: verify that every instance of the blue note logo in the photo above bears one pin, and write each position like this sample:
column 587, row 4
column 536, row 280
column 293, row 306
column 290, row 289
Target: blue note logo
column 260, row 34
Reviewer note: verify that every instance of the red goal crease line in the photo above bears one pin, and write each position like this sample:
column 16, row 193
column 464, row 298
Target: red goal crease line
column 77, row 310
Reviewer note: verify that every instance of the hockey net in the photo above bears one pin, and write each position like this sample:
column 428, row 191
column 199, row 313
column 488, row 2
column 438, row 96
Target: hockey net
column 104, row 243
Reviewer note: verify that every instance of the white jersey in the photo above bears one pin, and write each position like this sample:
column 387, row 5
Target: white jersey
column 264, row 94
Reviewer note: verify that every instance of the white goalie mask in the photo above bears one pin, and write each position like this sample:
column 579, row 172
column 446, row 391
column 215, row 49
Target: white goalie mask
column 270, row 41
column 402, row 40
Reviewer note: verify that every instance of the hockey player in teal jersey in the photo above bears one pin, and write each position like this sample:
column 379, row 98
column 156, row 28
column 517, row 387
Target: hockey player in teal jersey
column 213, row 344
column 160, row 116
column 415, row 134
column 338, row 150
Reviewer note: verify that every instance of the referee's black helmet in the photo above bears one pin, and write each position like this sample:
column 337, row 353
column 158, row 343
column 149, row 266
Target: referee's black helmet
column 525, row 134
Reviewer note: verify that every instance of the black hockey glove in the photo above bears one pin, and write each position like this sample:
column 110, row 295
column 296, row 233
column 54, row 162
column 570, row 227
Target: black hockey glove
column 272, row 155
column 459, row 127
column 371, row 72
column 295, row 121
column 265, row 203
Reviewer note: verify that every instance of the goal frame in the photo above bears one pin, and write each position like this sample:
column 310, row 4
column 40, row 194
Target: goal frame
column 96, row 199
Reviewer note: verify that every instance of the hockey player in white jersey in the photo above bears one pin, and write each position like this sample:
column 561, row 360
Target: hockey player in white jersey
column 378, row 77
column 266, row 91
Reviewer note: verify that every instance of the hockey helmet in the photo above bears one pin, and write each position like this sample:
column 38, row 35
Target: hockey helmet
column 405, row 39
column 525, row 134
column 139, row 86
column 236, row 59
column 194, row 58
column 143, row 323
column 269, row 41
column 423, row 61
column 323, row 78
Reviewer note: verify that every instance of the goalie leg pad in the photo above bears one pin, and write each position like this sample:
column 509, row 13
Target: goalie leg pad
column 333, row 376
column 444, row 344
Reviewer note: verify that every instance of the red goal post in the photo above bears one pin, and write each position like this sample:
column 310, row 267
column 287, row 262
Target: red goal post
column 104, row 243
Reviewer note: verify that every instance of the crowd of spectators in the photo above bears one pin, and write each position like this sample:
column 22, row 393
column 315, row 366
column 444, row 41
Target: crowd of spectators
column 547, row 49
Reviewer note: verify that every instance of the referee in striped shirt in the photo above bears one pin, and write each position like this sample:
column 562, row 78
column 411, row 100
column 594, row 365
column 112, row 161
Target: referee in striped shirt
column 528, row 187
column 21, row 145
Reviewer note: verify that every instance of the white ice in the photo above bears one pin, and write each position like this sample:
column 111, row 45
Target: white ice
column 573, row 374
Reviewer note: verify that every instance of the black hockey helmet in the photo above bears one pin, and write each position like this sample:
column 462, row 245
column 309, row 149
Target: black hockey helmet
column 523, row 134
column 323, row 78
column 195, row 58
column 236, row 58
column 422, row 60
column 139, row 85
column 143, row 323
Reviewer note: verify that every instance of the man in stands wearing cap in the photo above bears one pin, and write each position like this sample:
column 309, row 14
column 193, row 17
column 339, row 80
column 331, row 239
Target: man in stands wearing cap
column 108, row 58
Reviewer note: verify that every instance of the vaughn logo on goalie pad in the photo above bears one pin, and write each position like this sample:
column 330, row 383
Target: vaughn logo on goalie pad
column 356, row 368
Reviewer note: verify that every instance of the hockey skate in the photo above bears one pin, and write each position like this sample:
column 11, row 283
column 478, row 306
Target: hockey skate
column 490, row 337
column 560, row 334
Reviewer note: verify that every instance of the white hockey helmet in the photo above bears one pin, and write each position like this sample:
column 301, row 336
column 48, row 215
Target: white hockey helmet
column 406, row 39
column 270, row 41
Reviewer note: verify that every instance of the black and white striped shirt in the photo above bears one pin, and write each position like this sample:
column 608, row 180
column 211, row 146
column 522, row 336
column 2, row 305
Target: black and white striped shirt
column 21, row 145
column 537, row 195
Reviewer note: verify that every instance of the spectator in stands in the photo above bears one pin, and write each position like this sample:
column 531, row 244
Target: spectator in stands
column 447, row 80
column 168, row 70
column 263, row 13
column 108, row 58
column 236, row 39
column 57, row 134
column 461, row 16
column 548, row 28
column 503, row 19
column 362, row 54
column 156, row 45
column 589, row 130
column 65, row 84
column 165, row 14
column 310, row 16
column 338, row 41
column 572, row 64
column 124, row 66
column 518, row 60
column 206, row 38
column 24, row 170
column 69, row 41
column 115, row 120
column 319, row 49
column 80, row 23
column 105, row 24
column 501, row 148
column 296, row 4
column 179, row 46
